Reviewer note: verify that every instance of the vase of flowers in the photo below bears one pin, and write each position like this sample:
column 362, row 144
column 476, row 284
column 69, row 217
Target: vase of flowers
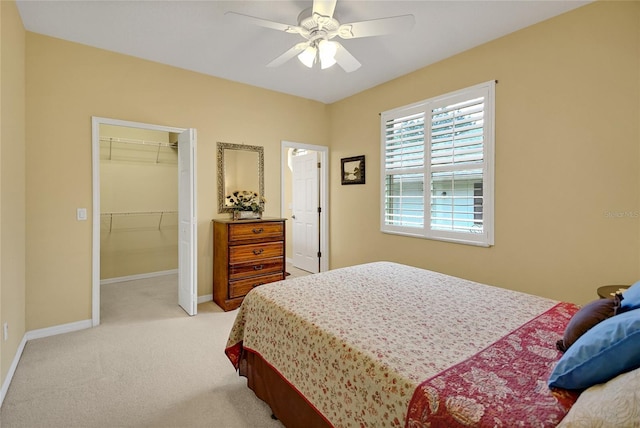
column 246, row 204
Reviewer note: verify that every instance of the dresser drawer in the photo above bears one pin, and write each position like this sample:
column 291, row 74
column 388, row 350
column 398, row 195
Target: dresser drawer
column 261, row 267
column 241, row 287
column 272, row 231
column 252, row 252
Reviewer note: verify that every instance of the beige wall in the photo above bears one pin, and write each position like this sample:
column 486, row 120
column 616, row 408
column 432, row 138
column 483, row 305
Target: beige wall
column 67, row 84
column 566, row 165
column 139, row 199
column 12, row 182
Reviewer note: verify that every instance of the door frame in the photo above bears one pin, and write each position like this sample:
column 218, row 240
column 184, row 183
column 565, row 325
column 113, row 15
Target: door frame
column 324, row 193
column 96, row 121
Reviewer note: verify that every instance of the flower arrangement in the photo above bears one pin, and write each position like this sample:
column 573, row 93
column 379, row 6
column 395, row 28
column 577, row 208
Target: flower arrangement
column 246, row 200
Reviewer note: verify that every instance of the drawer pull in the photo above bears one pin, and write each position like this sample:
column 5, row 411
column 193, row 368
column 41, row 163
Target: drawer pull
column 258, row 252
column 258, row 284
column 258, row 230
column 259, row 267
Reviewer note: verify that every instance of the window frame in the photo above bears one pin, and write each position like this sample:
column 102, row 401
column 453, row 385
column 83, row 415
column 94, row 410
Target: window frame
column 484, row 239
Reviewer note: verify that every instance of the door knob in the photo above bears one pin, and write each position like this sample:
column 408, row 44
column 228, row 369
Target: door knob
column 293, row 216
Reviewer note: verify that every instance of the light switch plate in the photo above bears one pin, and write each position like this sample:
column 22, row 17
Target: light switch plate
column 81, row 214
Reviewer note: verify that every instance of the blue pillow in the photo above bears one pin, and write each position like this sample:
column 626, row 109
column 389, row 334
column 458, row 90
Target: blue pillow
column 608, row 349
column 631, row 298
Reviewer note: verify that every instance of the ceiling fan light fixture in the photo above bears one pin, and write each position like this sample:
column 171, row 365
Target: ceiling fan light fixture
column 308, row 56
column 318, row 25
column 327, row 53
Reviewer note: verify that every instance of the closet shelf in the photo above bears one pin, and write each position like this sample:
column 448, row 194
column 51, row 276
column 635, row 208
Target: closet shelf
column 161, row 215
column 151, row 147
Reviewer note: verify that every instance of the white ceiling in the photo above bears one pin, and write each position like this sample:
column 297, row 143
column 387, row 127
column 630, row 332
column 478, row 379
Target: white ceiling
column 195, row 35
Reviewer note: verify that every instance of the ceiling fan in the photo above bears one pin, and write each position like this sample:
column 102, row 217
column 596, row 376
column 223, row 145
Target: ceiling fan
column 319, row 26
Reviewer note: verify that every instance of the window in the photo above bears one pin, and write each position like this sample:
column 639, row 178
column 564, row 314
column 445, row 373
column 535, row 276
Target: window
column 437, row 169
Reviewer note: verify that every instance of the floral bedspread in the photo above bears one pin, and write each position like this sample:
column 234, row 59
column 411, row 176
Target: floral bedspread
column 357, row 342
column 503, row 385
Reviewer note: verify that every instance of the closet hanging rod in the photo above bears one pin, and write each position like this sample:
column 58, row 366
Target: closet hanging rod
column 157, row 144
column 161, row 213
column 139, row 142
column 139, row 212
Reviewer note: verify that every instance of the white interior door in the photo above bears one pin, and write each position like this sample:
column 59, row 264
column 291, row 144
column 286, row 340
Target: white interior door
column 187, row 237
column 306, row 237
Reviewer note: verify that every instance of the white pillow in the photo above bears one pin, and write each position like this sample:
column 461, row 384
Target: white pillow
column 615, row 403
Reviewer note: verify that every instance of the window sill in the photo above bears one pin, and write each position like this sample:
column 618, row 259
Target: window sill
column 442, row 239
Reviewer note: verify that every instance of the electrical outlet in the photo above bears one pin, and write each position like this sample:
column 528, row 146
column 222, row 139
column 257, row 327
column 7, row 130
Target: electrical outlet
column 5, row 331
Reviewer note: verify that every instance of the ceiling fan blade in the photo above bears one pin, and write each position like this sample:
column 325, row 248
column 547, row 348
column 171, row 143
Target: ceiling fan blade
column 377, row 27
column 345, row 60
column 324, row 7
column 297, row 49
column 241, row 18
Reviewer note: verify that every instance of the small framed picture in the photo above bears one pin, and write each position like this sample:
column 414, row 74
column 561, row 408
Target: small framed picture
column 353, row 170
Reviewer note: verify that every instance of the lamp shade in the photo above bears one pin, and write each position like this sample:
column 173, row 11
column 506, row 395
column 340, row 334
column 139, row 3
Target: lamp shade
column 308, row 56
column 327, row 53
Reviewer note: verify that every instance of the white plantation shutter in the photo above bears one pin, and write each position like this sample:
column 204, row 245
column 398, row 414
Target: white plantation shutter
column 457, row 133
column 404, row 162
column 444, row 144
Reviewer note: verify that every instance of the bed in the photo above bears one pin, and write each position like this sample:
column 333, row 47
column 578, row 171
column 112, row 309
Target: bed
column 384, row 344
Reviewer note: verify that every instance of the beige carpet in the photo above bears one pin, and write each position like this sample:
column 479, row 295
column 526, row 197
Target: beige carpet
column 147, row 365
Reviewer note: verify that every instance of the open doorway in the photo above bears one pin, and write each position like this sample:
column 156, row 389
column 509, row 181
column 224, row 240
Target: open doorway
column 146, row 217
column 306, row 208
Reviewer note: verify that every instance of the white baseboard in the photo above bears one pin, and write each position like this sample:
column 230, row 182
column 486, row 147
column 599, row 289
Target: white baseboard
column 37, row 334
column 138, row 276
column 206, row 298
column 58, row 329
column 12, row 370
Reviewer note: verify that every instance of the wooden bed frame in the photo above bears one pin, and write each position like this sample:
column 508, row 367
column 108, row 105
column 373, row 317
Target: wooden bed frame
column 287, row 405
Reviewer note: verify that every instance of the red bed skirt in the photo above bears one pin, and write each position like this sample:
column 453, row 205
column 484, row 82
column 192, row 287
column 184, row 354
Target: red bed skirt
column 285, row 401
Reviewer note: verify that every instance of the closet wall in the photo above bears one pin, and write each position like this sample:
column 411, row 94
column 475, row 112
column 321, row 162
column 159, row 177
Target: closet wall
column 138, row 202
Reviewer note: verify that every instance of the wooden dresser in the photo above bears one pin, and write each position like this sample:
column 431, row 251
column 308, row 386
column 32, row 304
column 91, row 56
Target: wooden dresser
column 247, row 253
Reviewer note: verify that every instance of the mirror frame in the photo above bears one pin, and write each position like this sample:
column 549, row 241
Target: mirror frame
column 221, row 170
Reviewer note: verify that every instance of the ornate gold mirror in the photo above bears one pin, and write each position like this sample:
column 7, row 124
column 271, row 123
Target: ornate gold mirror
column 240, row 167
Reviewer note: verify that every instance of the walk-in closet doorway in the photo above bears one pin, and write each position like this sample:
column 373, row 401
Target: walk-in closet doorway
column 144, row 206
